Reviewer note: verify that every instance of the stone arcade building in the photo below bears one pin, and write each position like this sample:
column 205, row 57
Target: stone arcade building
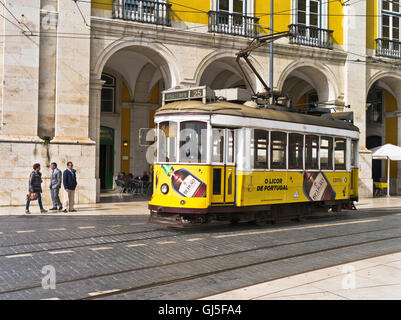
column 80, row 79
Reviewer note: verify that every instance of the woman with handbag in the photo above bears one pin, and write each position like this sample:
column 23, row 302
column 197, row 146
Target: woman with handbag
column 35, row 188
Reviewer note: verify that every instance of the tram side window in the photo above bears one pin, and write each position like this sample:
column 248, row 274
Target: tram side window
column 193, row 145
column 168, row 141
column 261, row 142
column 326, row 153
column 218, row 145
column 296, row 151
column 339, row 154
column 354, row 153
column 278, row 144
column 230, row 151
column 312, row 146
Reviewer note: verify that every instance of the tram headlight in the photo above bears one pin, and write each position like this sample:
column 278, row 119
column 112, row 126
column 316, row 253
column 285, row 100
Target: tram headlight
column 164, row 188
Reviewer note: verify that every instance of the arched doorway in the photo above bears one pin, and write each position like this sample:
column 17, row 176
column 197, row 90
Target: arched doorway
column 382, row 124
column 134, row 78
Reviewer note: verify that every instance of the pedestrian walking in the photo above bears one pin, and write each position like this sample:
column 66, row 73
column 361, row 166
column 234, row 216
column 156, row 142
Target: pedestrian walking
column 35, row 188
column 70, row 183
column 55, row 185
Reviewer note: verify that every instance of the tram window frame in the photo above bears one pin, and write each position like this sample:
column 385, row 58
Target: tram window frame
column 292, row 150
column 354, row 153
column 200, row 129
column 311, row 165
column 220, row 145
column 230, row 154
column 340, row 166
column 273, row 145
column 329, row 148
column 165, row 136
column 260, row 134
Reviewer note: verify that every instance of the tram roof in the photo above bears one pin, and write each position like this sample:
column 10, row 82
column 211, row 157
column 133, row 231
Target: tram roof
column 234, row 109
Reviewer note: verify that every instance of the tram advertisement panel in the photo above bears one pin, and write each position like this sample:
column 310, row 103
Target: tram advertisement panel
column 181, row 186
column 261, row 187
column 317, row 187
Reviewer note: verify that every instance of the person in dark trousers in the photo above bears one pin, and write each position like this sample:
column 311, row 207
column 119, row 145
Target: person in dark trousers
column 145, row 177
column 70, row 183
column 35, row 186
column 55, row 185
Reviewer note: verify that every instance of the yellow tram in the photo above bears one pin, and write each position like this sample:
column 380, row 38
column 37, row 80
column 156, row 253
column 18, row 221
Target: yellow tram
column 231, row 161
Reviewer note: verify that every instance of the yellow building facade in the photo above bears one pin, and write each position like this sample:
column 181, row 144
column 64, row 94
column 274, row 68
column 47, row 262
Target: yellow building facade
column 108, row 61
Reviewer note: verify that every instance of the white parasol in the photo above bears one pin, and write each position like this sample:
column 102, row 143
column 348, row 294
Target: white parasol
column 387, row 152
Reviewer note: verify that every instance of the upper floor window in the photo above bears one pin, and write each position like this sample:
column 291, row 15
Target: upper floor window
column 309, row 24
column 391, row 19
column 232, row 17
column 155, row 12
column 308, row 12
column 108, row 93
column 232, row 6
column 388, row 42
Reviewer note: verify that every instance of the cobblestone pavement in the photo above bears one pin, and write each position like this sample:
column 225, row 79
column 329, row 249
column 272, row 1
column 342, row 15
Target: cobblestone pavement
column 123, row 257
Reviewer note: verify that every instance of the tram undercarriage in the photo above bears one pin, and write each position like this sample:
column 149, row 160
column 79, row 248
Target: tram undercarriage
column 178, row 218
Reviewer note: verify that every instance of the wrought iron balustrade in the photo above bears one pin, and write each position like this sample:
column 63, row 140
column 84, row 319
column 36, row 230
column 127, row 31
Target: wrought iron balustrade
column 233, row 23
column 154, row 12
column 311, row 36
column 388, row 48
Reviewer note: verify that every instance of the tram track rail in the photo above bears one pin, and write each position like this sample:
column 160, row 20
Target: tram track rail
column 174, row 232
column 206, row 274
column 199, row 275
column 110, row 242
column 192, row 230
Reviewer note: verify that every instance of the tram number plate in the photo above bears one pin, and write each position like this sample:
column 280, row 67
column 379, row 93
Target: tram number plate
column 197, row 93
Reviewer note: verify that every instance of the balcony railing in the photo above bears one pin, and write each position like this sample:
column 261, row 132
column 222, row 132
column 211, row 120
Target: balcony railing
column 311, row 36
column 388, row 48
column 233, row 23
column 154, row 12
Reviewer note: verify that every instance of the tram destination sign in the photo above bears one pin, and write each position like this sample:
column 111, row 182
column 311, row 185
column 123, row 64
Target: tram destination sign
column 200, row 93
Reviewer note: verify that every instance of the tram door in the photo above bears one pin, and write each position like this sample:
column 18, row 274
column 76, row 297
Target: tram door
column 223, row 166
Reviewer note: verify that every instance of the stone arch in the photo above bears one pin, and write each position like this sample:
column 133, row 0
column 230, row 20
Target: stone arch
column 390, row 81
column 155, row 52
column 228, row 58
column 300, row 77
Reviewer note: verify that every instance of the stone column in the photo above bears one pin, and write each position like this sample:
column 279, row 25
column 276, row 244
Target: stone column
column 355, row 92
column 72, row 97
column 20, row 145
column 94, row 124
column 20, row 70
column 73, row 73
